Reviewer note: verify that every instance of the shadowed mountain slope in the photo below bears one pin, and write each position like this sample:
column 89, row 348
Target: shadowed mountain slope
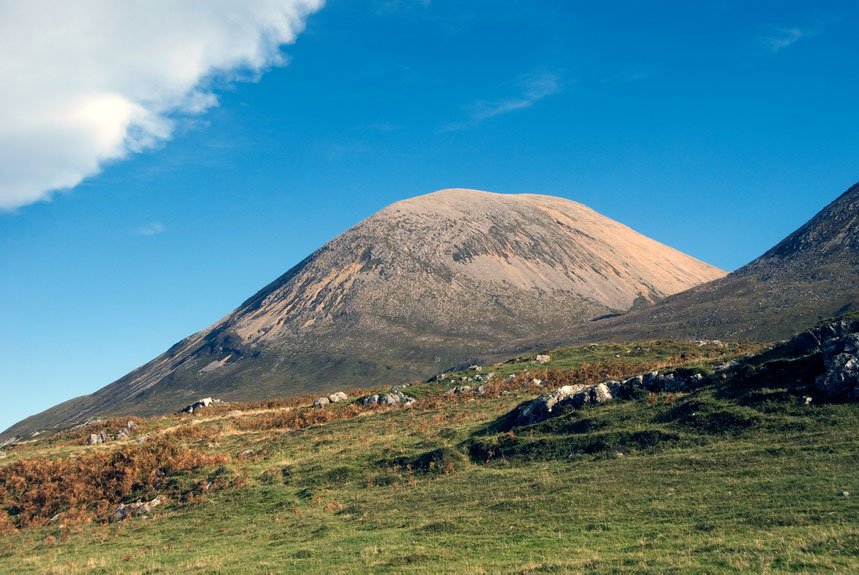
column 810, row 275
column 424, row 284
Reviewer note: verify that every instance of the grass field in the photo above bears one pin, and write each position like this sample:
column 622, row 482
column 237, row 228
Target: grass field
column 738, row 475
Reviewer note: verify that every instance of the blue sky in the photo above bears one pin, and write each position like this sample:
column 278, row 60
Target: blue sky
column 714, row 127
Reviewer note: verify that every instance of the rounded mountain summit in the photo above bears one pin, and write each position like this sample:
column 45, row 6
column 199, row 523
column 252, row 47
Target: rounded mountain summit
column 422, row 285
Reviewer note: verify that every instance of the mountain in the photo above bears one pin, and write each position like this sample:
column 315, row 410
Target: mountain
column 424, row 284
column 811, row 275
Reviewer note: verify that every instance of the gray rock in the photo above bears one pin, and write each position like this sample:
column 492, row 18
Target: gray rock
column 97, row 438
column 840, row 353
column 121, row 434
column 390, row 399
column 635, row 381
column 841, row 377
column 543, row 358
column 460, row 389
column 600, row 393
column 725, row 366
column 123, row 512
column 337, row 396
column 537, row 382
column 483, row 388
column 836, row 329
column 803, row 344
column 320, row 402
column 371, row 400
column 581, row 398
column 541, row 408
column 845, row 494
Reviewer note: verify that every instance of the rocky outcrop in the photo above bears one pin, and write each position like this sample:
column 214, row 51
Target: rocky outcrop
column 97, row 438
column 133, row 509
column 205, row 402
column 840, row 354
column 577, row 396
column 337, row 396
column 813, row 340
column 395, row 397
column 321, row 402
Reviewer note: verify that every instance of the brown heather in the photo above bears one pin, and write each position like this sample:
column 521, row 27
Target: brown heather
column 32, row 491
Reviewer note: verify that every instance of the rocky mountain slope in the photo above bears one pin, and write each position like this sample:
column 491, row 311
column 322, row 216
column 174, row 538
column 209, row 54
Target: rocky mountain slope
column 811, row 275
column 424, row 284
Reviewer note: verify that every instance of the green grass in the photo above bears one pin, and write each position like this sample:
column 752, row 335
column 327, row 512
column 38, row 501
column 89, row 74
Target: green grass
column 738, row 475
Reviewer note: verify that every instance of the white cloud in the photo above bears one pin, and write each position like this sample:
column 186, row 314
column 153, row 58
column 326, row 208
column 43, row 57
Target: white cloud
column 152, row 229
column 531, row 90
column 780, row 38
column 88, row 81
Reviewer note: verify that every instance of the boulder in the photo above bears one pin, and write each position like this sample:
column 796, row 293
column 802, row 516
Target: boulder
column 389, row 399
column 803, row 344
column 133, row 509
column 121, row 434
column 840, row 355
column 97, row 438
column 537, row 382
column 482, row 389
column 541, row 408
column 600, row 393
column 320, row 402
column 542, row 358
column 371, row 400
column 459, row 389
column 337, row 396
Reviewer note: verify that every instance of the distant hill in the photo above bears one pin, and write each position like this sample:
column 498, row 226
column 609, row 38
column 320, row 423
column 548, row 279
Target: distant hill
column 424, row 284
column 811, row 275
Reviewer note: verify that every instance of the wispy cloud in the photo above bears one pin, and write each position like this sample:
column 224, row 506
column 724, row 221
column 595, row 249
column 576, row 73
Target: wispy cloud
column 152, row 229
column 531, row 89
column 92, row 81
column 779, row 38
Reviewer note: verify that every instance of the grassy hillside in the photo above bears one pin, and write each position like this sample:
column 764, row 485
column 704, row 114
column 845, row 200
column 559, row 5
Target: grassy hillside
column 738, row 474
